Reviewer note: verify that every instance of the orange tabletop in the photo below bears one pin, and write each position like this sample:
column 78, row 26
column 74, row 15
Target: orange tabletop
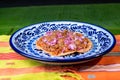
column 16, row 67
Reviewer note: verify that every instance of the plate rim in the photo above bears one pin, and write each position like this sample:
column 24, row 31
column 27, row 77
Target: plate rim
column 61, row 60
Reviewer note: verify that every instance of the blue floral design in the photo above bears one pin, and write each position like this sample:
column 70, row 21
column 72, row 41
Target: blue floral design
column 25, row 39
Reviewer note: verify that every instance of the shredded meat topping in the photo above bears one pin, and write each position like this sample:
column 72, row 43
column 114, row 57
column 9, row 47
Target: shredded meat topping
column 62, row 41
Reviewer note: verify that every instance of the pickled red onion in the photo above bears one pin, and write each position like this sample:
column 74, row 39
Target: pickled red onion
column 68, row 40
column 59, row 35
column 72, row 46
column 48, row 33
column 53, row 42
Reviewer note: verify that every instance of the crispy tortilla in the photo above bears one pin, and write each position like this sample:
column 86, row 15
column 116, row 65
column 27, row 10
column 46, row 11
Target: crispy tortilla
column 43, row 45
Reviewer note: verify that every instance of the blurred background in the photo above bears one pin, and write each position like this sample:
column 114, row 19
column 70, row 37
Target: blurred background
column 16, row 14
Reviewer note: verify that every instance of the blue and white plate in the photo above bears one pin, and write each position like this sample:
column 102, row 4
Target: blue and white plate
column 23, row 41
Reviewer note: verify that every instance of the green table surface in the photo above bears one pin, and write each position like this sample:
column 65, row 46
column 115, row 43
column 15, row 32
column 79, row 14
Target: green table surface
column 105, row 15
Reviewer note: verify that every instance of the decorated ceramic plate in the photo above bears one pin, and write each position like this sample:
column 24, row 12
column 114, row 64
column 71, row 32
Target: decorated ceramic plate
column 24, row 40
